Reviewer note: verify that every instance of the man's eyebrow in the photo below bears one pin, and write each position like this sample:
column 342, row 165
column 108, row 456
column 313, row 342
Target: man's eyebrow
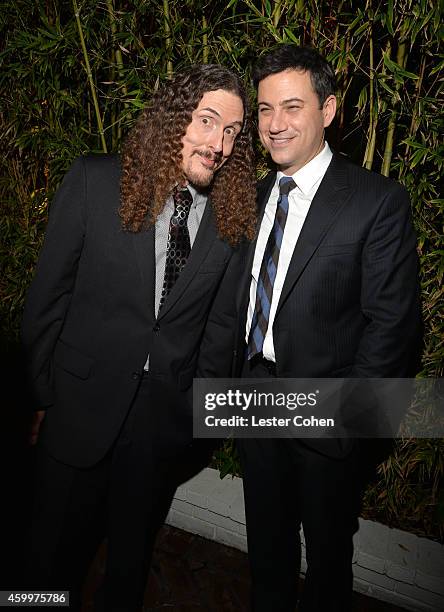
column 211, row 110
column 295, row 99
column 288, row 101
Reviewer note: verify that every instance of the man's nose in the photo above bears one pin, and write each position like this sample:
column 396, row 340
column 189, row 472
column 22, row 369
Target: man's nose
column 277, row 123
column 216, row 141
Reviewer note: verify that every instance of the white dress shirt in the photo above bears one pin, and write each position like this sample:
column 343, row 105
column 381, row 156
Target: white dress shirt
column 307, row 179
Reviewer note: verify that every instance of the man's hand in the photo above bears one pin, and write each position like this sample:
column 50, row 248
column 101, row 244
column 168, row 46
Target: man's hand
column 37, row 419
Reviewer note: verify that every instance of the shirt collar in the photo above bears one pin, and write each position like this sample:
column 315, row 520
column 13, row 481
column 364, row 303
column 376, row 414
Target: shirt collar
column 307, row 176
column 199, row 198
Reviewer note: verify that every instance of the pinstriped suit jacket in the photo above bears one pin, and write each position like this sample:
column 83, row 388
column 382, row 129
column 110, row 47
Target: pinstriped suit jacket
column 89, row 318
column 350, row 302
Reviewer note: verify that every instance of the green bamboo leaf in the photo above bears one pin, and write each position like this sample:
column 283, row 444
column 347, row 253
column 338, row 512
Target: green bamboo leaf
column 362, row 28
column 396, row 69
column 437, row 20
column 417, row 157
column 389, row 20
column 362, row 99
column 419, row 25
column 291, row 36
column 411, row 142
column 382, row 82
column 437, row 68
column 389, row 63
column 355, row 21
column 407, row 74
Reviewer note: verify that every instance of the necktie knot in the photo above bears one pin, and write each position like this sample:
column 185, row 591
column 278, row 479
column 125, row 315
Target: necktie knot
column 286, row 184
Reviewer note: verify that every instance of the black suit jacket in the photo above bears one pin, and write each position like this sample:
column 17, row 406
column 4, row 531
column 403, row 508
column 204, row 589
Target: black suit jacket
column 89, row 319
column 350, row 301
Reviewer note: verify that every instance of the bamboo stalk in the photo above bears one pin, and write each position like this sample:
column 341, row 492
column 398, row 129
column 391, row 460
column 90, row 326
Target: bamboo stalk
column 336, row 34
column 88, row 110
column 373, row 117
column 388, row 149
column 205, row 51
column 401, row 58
column 115, row 132
column 277, row 13
column 415, row 115
column 415, row 120
column 89, row 75
column 168, row 38
column 117, row 51
column 345, row 45
column 118, row 61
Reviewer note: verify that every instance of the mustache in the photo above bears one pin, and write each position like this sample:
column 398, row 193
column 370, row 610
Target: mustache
column 216, row 157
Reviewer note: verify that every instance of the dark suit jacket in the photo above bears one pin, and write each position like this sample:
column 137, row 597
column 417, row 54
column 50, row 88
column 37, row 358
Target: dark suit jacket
column 350, row 301
column 89, row 319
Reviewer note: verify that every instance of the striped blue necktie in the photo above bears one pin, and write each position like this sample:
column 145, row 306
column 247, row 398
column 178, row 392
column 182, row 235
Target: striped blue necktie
column 267, row 274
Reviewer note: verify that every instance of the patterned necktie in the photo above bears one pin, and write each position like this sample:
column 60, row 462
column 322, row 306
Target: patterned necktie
column 178, row 245
column 267, row 274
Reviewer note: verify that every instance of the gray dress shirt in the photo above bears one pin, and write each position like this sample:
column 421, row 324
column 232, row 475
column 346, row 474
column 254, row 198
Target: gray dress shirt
column 161, row 238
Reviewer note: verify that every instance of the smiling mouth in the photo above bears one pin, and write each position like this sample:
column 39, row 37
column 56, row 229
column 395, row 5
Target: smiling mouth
column 278, row 142
column 209, row 161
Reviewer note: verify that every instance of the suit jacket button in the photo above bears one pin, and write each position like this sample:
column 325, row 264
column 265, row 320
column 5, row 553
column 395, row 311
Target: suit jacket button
column 156, row 328
column 135, row 375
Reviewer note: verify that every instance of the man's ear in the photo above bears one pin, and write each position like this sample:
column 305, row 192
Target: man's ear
column 329, row 110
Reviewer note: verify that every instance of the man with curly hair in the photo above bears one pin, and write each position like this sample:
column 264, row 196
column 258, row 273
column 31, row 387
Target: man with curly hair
column 118, row 320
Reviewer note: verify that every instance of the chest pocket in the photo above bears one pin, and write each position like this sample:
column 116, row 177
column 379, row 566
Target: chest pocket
column 212, row 268
column 346, row 249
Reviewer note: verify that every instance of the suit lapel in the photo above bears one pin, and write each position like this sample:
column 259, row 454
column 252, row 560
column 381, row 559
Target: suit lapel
column 243, row 295
column 263, row 193
column 205, row 238
column 143, row 243
column 331, row 197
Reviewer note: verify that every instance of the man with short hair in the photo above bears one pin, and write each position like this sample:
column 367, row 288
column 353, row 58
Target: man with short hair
column 331, row 291
column 136, row 252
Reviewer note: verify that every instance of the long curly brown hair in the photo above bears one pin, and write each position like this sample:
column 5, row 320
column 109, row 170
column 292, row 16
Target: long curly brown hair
column 152, row 157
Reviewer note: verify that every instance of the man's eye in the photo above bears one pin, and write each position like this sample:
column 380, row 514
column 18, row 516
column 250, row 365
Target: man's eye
column 265, row 111
column 206, row 120
column 293, row 108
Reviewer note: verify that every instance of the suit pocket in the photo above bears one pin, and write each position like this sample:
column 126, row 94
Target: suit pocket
column 73, row 361
column 212, row 268
column 328, row 250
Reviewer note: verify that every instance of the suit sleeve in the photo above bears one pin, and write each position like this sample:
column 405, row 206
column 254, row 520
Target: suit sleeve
column 217, row 347
column 49, row 294
column 390, row 344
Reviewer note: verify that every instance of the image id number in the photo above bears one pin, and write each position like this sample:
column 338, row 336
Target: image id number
column 33, row 598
